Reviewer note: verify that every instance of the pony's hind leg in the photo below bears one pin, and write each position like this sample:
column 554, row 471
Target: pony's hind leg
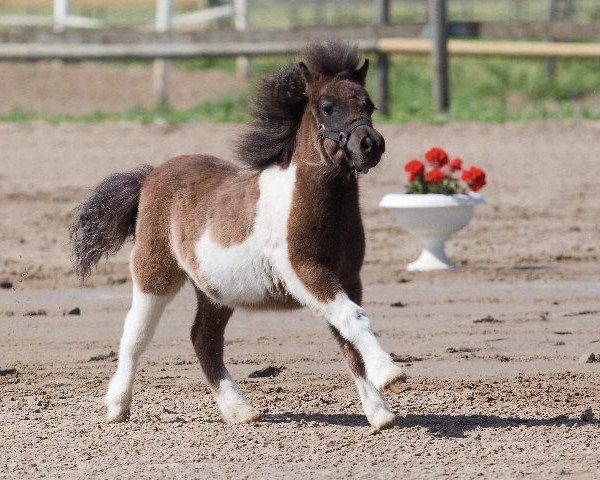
column 208, row 339
column 140, row 324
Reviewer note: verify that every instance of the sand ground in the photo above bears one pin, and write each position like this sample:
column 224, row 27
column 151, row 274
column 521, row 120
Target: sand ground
column 502, row 398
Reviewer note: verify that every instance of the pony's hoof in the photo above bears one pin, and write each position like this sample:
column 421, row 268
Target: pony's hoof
column 391, row 380
column 241, row 414
column 117, row 415
column 382, row 418
column 398, row 386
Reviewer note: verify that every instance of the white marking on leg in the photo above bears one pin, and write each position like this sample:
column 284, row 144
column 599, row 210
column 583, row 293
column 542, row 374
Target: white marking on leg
column 355, row 326
column 374, row 405
column 140, row 324
column 234, row 407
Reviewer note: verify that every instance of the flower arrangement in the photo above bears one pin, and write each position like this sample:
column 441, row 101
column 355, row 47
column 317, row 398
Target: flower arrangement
column 441, row 175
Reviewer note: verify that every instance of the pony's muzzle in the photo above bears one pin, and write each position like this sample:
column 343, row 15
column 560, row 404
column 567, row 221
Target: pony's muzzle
column 366, row 146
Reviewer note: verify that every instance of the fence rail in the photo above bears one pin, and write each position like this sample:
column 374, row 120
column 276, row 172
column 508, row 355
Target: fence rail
column 171, row 48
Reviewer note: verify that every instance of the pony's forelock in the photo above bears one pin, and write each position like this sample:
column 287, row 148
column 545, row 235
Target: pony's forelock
column 331, row 58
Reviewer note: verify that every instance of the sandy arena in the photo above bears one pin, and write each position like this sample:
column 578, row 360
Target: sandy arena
column 492, row 350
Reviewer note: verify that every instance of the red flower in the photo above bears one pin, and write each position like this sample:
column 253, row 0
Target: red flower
column 414, row 168
column 475, row 178
column 434, row 176
column 456, row 163
column 437, row 157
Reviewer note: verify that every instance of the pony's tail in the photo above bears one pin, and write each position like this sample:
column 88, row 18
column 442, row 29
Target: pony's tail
column 106, row 219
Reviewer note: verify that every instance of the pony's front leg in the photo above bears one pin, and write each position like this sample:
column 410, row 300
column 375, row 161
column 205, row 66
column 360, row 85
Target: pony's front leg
column 207, row 337
column 354, row 326
column 374, row 405
column 372, row 368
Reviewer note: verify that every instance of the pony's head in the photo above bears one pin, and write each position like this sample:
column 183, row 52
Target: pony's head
column 327, row 91
column 341, row 107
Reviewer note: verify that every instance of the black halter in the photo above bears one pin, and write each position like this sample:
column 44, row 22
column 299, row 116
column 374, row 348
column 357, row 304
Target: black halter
column 341, row 137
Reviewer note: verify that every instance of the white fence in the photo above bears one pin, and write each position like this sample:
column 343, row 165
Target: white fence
column 62, row 18
column 164, row 21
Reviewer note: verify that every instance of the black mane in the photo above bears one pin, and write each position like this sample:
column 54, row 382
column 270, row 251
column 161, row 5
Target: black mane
column 280, row 100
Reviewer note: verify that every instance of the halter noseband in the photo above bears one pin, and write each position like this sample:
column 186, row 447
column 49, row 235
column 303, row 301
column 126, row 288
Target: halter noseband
column 341, row 137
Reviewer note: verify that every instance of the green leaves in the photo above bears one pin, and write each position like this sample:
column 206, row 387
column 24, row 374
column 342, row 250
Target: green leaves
column 448, row 186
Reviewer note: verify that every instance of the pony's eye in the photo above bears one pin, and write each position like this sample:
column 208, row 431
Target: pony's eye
column 328, row 109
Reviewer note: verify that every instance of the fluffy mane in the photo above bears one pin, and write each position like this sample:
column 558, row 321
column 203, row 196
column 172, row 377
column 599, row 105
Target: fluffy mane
column 279, row 103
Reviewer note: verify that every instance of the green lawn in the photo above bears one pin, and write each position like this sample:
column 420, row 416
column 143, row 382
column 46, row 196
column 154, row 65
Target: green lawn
column 498, row 90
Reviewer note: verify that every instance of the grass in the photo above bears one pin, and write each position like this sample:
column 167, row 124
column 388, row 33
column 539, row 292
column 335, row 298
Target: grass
column 482, row 90
column 227, row 109
column 497, row 91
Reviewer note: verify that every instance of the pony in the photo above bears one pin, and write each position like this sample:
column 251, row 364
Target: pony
column 279, row 229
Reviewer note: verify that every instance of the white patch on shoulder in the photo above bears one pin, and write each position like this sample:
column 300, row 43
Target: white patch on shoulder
column 245, row 273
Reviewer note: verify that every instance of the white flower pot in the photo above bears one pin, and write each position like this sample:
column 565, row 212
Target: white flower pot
column 433, row 218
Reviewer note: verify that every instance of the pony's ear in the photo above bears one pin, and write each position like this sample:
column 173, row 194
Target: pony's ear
column 361, row 74
column 307, row 75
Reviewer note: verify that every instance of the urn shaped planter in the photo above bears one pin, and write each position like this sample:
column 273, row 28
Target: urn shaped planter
column 433, row 218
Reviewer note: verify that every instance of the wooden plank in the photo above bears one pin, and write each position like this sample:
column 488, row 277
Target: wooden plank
column 25, row 21
column 394, row 46
column 200, row 17
column 486, row 48
column 77, row 21
column 525, row 49
column 405, row 46
column 149, row 51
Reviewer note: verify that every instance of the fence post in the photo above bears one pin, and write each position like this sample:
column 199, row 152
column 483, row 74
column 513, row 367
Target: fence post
column 61, row 10
column 557, row 10
column 241, row 20
column 161, row 67
column 439, row 55
column 383, row 62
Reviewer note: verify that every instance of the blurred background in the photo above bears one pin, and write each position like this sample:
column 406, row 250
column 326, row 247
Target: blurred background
column 496, row 71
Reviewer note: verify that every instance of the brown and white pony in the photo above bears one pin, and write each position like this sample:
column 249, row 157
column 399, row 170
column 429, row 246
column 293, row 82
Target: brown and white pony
column 282, row 231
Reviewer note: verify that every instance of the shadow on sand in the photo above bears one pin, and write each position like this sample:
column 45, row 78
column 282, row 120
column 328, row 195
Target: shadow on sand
column 438, row 425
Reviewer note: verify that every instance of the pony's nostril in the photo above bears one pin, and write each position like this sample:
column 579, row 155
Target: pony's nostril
column 366, row 144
